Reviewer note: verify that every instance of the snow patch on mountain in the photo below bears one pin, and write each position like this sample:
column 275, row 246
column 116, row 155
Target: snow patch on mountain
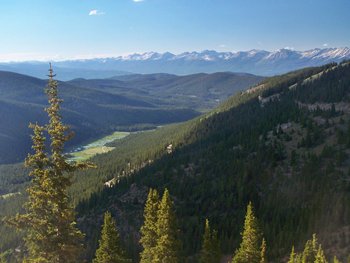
column 211, row 55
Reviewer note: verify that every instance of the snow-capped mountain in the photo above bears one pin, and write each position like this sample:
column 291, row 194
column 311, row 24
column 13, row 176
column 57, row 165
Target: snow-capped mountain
column 259, row 62
column 254, row 61
column 211, row 55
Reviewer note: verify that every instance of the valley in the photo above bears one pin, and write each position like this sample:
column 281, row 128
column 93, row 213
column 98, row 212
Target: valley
column 284, row 149
column 98, row 107
column 83, row 153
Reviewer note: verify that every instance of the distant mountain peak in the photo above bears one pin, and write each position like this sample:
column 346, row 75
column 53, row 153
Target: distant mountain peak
column 212, row 55
column 254, row 61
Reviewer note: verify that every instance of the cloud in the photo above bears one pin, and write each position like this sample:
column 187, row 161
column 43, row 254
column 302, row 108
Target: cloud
column 138, row 1
column 222, row 46
column 96, row 12
column 325, row 45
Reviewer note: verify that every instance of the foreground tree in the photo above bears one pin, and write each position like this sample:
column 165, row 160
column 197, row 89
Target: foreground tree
column 49, row 221
column 167, row 248
column 249, row 250
column 109, row 250
column 149, row 229
column 210, row 252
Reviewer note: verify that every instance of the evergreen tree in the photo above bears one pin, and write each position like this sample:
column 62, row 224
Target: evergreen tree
column 292, row 257
column 205, row 256
column 210, row 252
column 49, row 221
column 310, row 250
column 215, row 246
column 149, row 229
column 109, row 250
column 249, row 250
column 320, row 257
column 263, row 252
column 167, row 244
column 295, row 257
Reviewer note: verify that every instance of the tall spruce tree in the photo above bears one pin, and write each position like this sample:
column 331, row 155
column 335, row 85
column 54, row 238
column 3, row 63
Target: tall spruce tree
column 210, row 252
column 109, row 250
column 167, row 249
column 249, row 250
column 49, row 221
column 149, row 229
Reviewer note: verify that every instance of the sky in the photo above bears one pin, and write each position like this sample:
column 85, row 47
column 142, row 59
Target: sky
column 62, row 29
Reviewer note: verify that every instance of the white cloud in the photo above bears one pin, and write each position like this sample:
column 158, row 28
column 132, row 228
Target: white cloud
column 96, row 12
column 137, row 1
column 325, row 45
column 222, row 46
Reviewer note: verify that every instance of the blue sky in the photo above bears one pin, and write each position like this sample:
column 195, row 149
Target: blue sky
column 58, row 29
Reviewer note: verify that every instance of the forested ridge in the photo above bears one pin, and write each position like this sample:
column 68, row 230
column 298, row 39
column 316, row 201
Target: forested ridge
column 97, row 107
column 283, row 145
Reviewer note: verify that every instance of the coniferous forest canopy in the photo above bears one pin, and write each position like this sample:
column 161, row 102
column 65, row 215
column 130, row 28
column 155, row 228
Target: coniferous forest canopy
column 264, row 177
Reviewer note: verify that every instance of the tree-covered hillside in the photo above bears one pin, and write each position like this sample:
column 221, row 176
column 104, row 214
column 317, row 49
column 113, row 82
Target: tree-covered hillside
column 271, row 145
column 282, row 145
column 96, row 107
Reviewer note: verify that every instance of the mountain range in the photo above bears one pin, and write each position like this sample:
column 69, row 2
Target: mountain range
column 259, row 62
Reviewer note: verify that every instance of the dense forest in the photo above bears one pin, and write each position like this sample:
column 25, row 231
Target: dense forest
column 281, row 146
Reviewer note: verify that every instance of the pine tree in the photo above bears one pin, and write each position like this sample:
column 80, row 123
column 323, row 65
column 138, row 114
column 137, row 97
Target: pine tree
column 320, row 257
column 263, row 252
column 149, row 229
column 167, row 245
column 292, row 257
column 206, row 254
column 310, row 250
column 49, row 221
column 210, row 252
column 249, row 250
column 109, row 250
